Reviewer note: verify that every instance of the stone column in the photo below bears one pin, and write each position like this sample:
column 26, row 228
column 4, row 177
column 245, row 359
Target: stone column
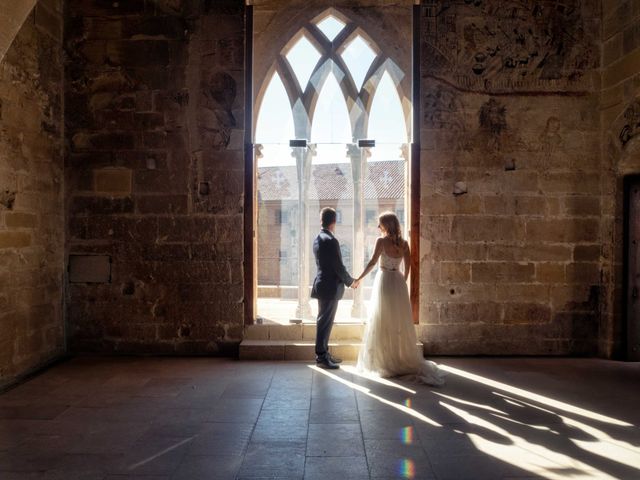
column 358, row 157
column 405, row 153
column 304, row 157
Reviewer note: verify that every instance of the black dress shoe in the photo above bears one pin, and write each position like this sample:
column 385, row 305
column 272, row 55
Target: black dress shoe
column 327, row 363
column 335, row 359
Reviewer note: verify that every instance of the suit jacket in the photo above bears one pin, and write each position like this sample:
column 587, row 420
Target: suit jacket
column 332, row 275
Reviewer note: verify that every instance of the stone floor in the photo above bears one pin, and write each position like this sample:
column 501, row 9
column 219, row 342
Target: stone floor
column 203, row 418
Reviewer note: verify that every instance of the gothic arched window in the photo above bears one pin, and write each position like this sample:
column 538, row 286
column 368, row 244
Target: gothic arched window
column 330, row 85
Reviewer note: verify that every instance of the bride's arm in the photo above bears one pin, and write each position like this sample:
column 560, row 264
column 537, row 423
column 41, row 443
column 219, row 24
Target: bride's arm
column 407, row 260
column 376, row 253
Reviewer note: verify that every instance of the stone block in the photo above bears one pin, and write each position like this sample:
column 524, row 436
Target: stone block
column 300, row 351
column 104, row 141
column 453, row 272
column 586, row 253
column 285, row 332
column 108, row 28
column 165, row 204
column 533, row 205
column 573, row 182
column 159, row 26
column 486, row 228
column 581, row 206
column 583, row 272
column 562, row 230
column 520, row 181
column 345, row 332
column 89, row 269
column 113, row 181
column 256, row 332
column 463, row 293
column 148, row 120
column 550, row 273
column 138, row 53
column 498, row 205
column 524, row 293
column 502, row 272
column 20, row 220
column 454, row 251
column 529, row 252
column 259, row 350
column 161, row 181
column 467, row 313
column 14, row 239
column 526, row 313
column 309, row 331
column 450, row 204
column 90, row 205
column 188, row 229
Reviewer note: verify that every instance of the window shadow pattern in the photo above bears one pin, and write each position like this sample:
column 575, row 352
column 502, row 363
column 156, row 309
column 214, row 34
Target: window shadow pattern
column 534, row 426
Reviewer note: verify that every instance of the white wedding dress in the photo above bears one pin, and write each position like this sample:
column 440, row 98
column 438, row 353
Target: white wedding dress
column 389, row 345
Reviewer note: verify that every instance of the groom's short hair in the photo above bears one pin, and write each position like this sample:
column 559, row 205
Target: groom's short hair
column 327, row 216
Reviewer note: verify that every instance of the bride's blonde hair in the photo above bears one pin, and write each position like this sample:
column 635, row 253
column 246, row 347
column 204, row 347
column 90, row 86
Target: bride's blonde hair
column 391, row 224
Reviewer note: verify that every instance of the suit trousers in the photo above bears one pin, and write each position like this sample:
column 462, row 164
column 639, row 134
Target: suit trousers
column 326, row 313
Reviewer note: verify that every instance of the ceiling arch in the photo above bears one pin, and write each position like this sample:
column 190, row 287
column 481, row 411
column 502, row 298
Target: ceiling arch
column 14, row 14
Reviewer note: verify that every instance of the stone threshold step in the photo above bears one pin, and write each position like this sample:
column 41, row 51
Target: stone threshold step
column 347, row 349
column 301, row 332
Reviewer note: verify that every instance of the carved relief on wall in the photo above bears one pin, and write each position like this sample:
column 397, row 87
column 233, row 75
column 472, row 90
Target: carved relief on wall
column 631, row 125
column 505, row 45
column 550, row 139
column 218, row 120
column 443, row 111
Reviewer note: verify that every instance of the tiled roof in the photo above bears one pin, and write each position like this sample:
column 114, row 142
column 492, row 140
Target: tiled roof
column 333, row 181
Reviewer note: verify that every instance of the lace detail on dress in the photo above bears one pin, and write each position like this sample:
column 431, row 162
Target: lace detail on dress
column 389, row 263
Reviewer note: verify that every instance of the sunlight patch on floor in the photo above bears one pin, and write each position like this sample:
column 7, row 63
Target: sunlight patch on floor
column 376, row 378
column 399, row 406
column 529, row 456
column 549, row 402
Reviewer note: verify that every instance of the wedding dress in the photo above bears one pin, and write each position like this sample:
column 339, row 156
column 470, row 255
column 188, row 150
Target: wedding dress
column 389, row 345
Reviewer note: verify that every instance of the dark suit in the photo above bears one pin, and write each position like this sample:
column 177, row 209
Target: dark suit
column 328, row 287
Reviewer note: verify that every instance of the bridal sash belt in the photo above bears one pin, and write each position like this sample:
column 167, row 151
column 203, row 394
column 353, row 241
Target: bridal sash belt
column 389, row 269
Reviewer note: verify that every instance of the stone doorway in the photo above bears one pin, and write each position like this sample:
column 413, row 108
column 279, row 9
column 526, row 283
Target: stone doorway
column 632, row 266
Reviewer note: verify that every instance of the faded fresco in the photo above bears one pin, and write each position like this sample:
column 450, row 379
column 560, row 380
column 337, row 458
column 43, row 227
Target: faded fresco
column 510, row 46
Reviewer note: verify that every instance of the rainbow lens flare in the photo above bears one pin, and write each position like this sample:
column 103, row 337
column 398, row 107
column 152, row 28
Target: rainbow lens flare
column 406, row 435
column 407, row 403
column 406, row 468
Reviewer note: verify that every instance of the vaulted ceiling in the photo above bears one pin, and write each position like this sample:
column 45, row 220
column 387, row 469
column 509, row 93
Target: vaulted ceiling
column 12, row 16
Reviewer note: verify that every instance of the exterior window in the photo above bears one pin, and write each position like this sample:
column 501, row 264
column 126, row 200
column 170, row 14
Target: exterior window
column 372, row 215
column 282, row 217
column 338, row 217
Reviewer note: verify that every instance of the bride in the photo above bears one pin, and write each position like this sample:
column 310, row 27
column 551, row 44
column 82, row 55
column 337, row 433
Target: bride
column 389, row 347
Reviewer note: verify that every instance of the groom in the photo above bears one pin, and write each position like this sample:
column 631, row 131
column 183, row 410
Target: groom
column 328, row 286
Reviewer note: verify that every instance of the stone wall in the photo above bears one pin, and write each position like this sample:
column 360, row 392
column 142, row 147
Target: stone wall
column 154, row 99
column 620, row 114
column 31, row 189
column 510, row 201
